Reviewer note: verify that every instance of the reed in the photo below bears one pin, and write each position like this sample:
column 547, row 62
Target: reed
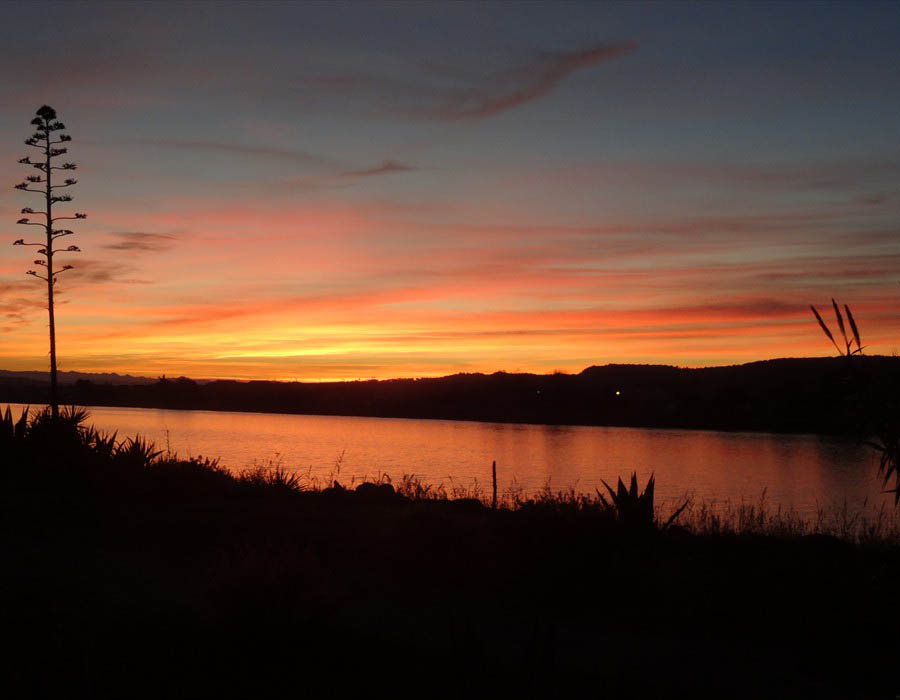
column 847, row 350
column 876, row 408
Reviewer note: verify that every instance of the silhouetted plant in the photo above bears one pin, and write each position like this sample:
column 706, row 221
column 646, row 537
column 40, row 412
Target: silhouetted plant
column 58, row 435
column 71, row 417
column 273, row 477
column 47, row 126
column 847, row 350
column 136, row 453
column 12, row 434
column 887, row 444
column 880, row 416
column 11, row 429
column 103, row 445
column 635, row 509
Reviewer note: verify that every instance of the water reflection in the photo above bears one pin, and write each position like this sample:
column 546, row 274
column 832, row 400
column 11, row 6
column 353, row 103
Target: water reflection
column 802, row 471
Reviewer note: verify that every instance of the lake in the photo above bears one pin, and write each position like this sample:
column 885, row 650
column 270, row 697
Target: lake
column 799, row 471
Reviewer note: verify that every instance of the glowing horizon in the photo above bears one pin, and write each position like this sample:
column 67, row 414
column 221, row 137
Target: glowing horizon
column 494, row 196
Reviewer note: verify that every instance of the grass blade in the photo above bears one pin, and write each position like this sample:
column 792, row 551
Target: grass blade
column 674, row 516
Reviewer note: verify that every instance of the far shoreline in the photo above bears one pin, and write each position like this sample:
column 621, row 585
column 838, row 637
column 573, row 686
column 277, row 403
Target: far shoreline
column 797, row 396
column 250, row 411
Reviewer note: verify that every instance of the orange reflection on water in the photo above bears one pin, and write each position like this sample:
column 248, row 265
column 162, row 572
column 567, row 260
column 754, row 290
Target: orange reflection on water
column 800, row 471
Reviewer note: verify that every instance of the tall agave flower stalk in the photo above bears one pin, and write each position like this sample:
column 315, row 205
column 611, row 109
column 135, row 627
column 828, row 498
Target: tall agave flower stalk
column 47, row 139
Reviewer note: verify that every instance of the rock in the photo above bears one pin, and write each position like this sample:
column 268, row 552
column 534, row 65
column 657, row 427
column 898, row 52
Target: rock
column 467, row 504
column 335, row 490
column 823, row 541
column 376, row 492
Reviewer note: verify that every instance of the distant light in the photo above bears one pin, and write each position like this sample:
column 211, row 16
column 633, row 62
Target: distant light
column 618, row 393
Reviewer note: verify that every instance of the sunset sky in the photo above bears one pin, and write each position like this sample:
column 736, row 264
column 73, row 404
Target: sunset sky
column 342, row 191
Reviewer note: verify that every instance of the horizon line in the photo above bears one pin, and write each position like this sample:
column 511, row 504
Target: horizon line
column 332, row 380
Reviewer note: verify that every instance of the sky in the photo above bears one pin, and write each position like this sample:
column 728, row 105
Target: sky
column 320, row 191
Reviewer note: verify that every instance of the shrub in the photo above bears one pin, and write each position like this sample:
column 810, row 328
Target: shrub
column 634, row 510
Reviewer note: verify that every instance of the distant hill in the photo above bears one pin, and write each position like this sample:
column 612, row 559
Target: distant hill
column 72, row 377
column 815, row 395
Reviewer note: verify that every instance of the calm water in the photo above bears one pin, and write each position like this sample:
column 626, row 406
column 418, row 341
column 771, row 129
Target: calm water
column 803, row 471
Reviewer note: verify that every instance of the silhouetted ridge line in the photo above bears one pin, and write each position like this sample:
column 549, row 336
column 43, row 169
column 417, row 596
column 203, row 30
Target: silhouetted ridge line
column 784, row 395
column 70, row 377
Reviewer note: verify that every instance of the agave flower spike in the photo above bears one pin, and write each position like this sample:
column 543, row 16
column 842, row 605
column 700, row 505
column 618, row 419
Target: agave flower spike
column 44, row 184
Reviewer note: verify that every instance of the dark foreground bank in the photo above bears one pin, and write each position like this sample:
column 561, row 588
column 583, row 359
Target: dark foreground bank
column 130, row 575
column 818, row 395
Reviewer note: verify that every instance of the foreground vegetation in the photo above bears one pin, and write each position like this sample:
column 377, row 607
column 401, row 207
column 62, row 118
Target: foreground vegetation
column 135, row 573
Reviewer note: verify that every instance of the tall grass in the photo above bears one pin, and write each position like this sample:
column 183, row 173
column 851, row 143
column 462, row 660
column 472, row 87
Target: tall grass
column 876, row 525
column 688, row 515
column 273, row 476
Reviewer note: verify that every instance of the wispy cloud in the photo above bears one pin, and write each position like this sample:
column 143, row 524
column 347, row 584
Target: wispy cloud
column 530, row 81
column 454, row 96
column 140, row 241
column 304, row 158
column 18, row 300
column 97, row 272
column 385, row 167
